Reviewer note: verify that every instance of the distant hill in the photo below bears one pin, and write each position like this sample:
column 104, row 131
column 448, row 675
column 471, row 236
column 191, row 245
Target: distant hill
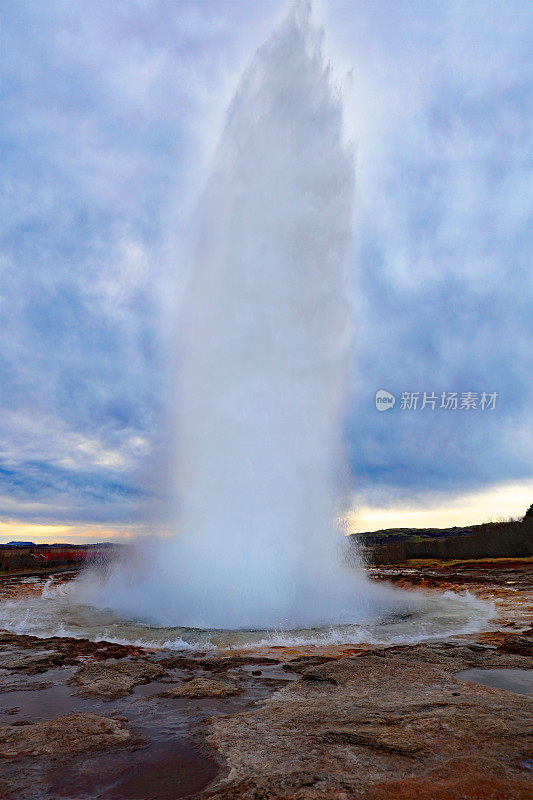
column 490, row 540
column 21, row 544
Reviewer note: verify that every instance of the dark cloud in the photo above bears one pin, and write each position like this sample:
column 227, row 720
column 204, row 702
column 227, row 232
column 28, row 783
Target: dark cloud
column 110, row 111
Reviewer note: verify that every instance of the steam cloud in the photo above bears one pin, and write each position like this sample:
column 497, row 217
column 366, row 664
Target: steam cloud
column 262, row 371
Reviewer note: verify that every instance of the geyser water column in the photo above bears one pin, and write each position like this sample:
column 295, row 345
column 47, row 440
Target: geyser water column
column 263, row 367
column 262, row 370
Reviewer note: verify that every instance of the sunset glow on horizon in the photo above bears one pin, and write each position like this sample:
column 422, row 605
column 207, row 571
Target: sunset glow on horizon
column 498, row 504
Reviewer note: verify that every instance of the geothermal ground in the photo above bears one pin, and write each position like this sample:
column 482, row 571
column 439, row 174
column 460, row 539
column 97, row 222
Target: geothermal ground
column 440, row 720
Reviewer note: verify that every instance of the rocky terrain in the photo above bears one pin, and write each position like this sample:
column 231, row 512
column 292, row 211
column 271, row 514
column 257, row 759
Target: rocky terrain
column 73, row 733
column 396, row 722
column 447, row 720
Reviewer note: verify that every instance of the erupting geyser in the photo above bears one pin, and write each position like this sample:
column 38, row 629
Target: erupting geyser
column 263, row 369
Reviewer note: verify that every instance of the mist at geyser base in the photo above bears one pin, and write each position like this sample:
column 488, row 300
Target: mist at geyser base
column 262, row 374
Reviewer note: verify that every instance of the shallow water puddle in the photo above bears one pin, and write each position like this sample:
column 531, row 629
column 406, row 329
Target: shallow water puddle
column 162, row 771
column 519, row 681
column 270, row 671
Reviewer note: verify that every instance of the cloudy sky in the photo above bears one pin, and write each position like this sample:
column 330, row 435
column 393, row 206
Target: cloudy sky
column 111, row 111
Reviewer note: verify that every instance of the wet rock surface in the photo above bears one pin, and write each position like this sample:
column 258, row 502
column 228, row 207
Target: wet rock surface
column 310, row 723
column 36, row 663
column 302, row 663
column 203, row 687
column 364, row 726
column 52, row 690
column 74, row 733
column 114, row 679
column 22, row 656
column 517, row 573
column 214, row 663
column 521, row 643
column 67, row 647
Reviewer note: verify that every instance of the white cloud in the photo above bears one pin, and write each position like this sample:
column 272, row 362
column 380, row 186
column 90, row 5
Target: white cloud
column 44, row 438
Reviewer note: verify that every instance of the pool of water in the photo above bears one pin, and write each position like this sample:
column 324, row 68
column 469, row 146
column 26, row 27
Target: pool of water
column 519, row 681
column 54, row 610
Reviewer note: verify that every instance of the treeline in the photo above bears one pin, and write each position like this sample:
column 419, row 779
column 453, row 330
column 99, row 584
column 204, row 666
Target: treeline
column 490, row 540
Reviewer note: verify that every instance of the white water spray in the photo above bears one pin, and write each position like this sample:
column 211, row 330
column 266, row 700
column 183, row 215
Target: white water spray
column 263, row 370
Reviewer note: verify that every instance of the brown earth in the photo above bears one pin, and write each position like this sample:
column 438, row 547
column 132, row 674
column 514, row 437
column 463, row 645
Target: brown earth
column 202, row 687
column 69, row 648
column 373, row 725
column 314, row 723
column 74, row 733
column 115, row 679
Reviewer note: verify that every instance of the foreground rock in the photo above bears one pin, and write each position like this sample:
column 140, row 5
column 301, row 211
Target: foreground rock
column 68, row 647
column 212, row 664
column 203, row 687
column 522, row 644
column 36, row 663
column 392, row 723
column 303, row 663
column 114, row 679
column 74, row 733
column 22, row 655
